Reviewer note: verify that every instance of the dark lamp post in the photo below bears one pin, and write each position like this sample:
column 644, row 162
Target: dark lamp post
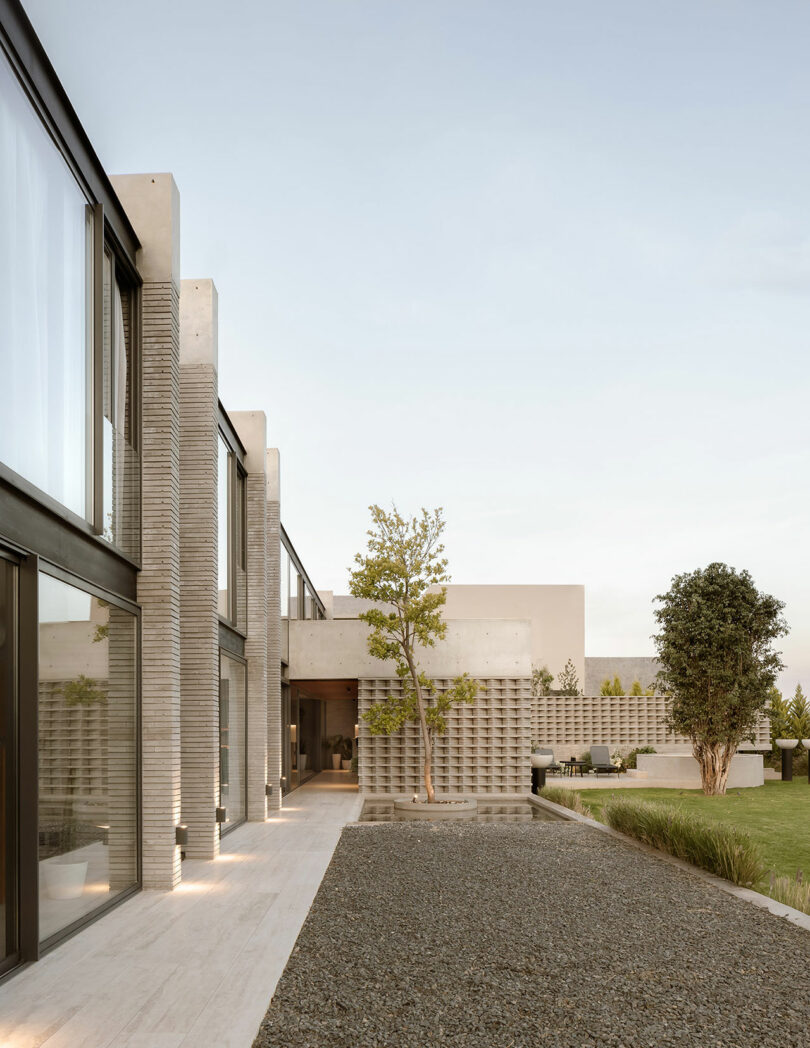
column 787, row 746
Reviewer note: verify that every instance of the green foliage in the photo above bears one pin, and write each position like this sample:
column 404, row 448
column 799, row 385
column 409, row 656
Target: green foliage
column 333, row 743
column 606, row 687
column 84, row 691
column 635, row 688
column 542, row 679
column 612, row 687
column 775, row 816
column 568, row 680
column 399, row 573
column 722, row 850
column 630, row 759
column 717, row 660
column 566, row 797
column 779, row 715
column 799, row 714
column 792, row 891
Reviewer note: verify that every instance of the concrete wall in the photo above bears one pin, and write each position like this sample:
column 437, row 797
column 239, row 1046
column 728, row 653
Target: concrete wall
column 626, row 668
column 746, row 770
column 153, row 206
column 199, row 624
column 556, row 615
column 338, row 649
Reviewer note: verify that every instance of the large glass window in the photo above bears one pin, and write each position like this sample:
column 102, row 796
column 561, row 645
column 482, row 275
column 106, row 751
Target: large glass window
column 231, row 537
column 88, row 817
column 223, row 557
column 8, row 762
column 121, row 473
column 46, row 252
column 232, row 738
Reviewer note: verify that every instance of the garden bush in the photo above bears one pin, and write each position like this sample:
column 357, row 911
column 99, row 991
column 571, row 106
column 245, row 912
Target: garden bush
column 565, row 797
column 630, row 759
column 722, row 850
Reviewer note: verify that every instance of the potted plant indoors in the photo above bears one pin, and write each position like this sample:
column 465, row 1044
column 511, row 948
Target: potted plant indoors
column 346, row 754
column 334, row 744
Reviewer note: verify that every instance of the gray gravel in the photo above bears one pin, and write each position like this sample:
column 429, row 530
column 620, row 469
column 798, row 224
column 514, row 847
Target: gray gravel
column 521, row 935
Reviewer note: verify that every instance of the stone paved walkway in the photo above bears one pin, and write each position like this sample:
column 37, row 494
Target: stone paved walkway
column 192, row 968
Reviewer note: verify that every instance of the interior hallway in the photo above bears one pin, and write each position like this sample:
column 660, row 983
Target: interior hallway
column 197, row 966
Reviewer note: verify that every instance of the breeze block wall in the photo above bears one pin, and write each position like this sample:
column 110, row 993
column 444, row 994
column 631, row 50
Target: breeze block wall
column 622, row 722
column 485, row 750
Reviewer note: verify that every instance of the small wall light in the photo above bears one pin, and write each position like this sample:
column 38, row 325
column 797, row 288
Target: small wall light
column 357, row 731
column 181, row 834
column 268, row 789
column 222, row 814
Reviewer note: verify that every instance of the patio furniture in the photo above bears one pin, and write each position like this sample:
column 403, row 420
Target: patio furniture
column 600, row 759
column 572, row 767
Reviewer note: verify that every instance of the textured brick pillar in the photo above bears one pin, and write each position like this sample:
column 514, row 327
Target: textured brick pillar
column 153, row 206
column 252, row 429
column 274, row 717
column 199, row 623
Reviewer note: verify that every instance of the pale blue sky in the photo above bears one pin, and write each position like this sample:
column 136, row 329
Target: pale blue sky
column 544, row 264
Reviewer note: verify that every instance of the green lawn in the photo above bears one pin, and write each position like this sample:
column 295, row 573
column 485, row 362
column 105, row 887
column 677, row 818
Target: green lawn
column 776, row 816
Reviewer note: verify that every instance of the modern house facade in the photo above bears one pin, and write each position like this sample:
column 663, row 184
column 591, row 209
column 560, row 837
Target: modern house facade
column 168, row 669
column 143, row 565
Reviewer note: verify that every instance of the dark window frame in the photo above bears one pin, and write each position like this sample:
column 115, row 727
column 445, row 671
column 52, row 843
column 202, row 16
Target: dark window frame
column 20, row 47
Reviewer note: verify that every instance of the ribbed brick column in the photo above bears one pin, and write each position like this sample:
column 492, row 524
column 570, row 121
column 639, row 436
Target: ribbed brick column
column 274, row 718
column 252, row 429
column 199, row 624
column 153, row 205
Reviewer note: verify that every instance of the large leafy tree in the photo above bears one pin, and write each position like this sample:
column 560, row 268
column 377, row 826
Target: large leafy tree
column 399, row 573
column 718, row 664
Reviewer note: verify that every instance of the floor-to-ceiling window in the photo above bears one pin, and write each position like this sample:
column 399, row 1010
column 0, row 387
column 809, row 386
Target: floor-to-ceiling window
column 232, row 739
column 70, row 515
column 88, row 753
column 9, row 906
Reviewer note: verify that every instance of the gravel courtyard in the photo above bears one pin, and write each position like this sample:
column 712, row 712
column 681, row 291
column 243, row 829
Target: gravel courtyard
column 526, row 935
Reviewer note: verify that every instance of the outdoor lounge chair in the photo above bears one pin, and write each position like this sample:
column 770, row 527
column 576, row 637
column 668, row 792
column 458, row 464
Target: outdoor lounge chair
column 600, row 759
column 554, row 766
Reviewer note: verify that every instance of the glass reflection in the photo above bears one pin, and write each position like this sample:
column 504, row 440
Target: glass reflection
column 88, row 851
column 45, row 307
column 232, row 738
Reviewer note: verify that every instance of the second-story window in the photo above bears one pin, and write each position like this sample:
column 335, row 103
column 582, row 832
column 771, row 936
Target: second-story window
column 231, row 537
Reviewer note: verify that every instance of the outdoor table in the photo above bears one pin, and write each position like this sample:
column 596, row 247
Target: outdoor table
column 572, row 766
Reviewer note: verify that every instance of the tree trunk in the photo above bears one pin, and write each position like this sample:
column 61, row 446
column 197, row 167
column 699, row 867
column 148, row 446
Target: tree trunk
column 427, row 746
column 714, row 760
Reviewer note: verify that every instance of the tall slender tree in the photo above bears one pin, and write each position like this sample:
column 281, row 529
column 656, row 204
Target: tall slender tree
column 399, row 572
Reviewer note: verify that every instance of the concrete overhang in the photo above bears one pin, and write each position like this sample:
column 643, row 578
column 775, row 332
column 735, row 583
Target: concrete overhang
column 338, row 649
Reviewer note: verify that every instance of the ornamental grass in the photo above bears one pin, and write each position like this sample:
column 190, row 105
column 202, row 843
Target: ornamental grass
column 722, row 850
column 566, row 798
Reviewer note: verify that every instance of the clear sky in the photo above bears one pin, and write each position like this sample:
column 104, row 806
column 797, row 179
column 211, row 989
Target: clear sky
column 546, row 264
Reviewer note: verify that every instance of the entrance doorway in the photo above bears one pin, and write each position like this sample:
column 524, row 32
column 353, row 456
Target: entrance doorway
column 320, row 721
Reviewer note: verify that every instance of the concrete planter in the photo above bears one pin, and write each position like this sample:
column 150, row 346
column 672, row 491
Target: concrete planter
column 441, row 811
column 335, row 762
column 542, row 760
column 346, row 765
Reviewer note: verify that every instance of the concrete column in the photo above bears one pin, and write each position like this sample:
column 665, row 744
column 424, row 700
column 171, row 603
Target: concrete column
column 153, row 205
column 199, row 623
column 274, row 718
column 252, row 429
